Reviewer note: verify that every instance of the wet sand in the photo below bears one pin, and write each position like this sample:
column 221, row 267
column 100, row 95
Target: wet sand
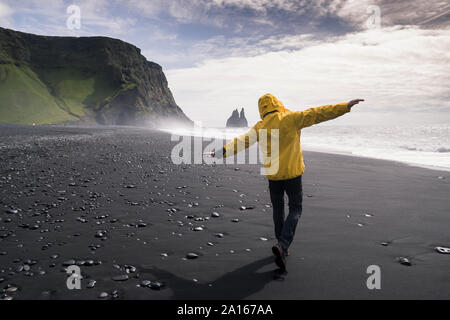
column 111, row 200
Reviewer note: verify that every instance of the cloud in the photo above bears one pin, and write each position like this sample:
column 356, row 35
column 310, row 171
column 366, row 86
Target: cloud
column 232, row 13
column 49, row 17
column 225, row 12
column 5, row 10
column 401, row 72
column 5, row 14
column 399, row 12
column 177, row 55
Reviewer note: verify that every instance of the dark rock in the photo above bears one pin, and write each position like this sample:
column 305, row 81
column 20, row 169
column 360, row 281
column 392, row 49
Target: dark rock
column 442, row 250
column 70, row 262
column 191, row 255
column 88, row 263
column 30, row 262
column 156, row 285
column 145, row 283
column 100, row 234
column 122, row 277
column 129, row 269
column 404, row 261
column 11, row 289
column 114, row 294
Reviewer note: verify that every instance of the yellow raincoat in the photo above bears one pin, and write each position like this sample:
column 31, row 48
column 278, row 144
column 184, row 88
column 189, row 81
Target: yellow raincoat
column 288, row 163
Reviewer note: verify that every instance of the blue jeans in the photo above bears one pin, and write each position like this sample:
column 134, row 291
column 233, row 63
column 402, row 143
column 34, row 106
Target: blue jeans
column 285, row 229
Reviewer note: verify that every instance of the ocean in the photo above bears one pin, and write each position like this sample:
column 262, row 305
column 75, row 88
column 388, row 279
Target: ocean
column 426, row 145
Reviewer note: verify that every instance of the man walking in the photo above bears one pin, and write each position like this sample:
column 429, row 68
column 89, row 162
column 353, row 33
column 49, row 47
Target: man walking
column 287, row 160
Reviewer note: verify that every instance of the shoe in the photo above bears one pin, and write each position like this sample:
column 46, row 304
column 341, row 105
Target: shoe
column 287, row 251
column 280, row 259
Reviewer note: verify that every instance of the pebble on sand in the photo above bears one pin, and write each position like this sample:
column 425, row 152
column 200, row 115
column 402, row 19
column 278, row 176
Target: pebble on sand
column 11, row 289
column 100, row 234
column 70, row 262
column 145, row 283
column 191, row 255
column 122, row 277
column 404, row 261
column 156, row 285
column 442, row 250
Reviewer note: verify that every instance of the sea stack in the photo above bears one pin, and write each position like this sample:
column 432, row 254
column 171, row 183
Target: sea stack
column 237, row 120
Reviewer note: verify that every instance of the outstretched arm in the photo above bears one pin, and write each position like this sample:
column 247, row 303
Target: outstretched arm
column 309, row 117
column 238, row 144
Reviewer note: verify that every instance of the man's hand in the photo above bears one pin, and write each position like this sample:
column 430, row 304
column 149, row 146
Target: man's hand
column 353, row 102
column 210, row 154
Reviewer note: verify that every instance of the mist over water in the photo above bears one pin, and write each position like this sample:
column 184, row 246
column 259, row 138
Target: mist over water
column 427, row 145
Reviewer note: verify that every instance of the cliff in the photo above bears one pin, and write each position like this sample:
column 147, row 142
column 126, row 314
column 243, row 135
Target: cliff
column 91, row 79
column 237, row 119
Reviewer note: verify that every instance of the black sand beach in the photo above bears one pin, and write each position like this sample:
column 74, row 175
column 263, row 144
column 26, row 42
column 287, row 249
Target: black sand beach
column 111, row 200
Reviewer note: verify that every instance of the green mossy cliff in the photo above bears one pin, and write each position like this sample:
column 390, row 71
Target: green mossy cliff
column 92, row 79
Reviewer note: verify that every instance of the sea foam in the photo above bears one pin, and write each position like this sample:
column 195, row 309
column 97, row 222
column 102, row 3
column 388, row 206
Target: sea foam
column 427, row 146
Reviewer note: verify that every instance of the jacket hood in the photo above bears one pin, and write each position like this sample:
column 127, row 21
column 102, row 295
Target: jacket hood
column 268, row 103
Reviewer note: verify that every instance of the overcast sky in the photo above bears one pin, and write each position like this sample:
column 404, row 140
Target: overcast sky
column 223, row 54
